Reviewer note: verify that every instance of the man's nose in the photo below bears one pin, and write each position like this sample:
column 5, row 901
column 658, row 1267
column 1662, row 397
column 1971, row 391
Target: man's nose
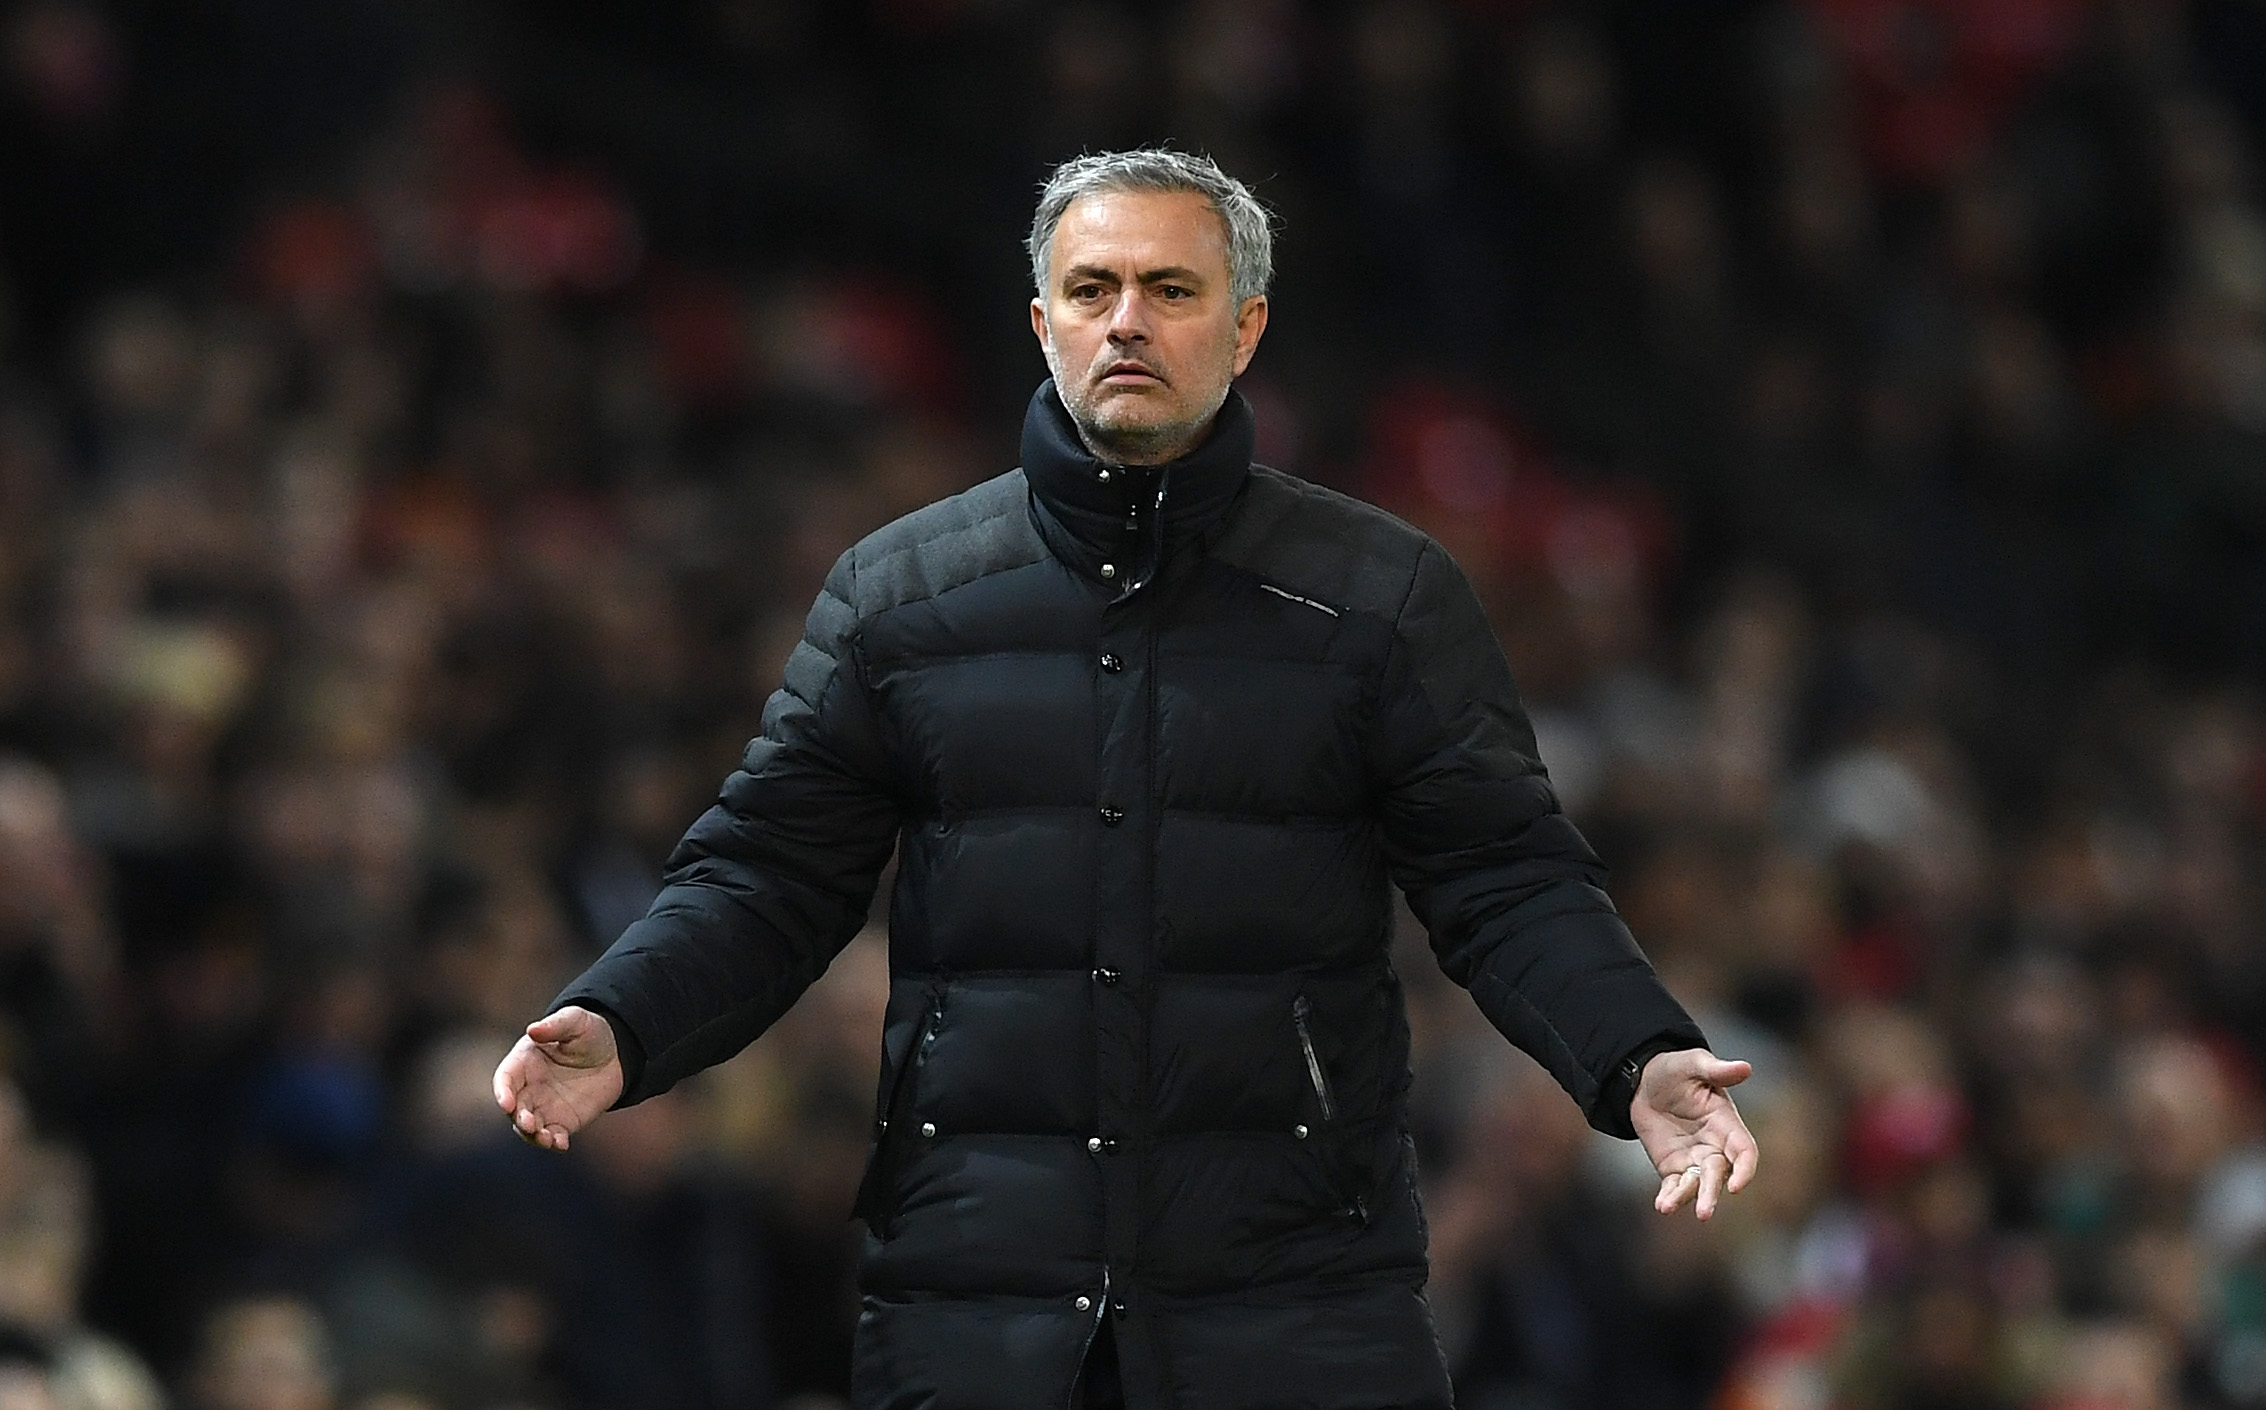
column 1129, row 318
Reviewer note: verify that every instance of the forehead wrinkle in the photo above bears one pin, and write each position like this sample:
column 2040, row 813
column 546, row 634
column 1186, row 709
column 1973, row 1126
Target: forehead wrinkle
column 1170, row 272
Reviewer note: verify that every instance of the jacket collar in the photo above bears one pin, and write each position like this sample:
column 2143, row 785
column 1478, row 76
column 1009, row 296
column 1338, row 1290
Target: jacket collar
column 1127, row 518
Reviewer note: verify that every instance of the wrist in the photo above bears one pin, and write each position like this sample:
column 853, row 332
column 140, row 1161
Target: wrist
column 629, row 1054
column 1609, row 1103
column 1630, row 1073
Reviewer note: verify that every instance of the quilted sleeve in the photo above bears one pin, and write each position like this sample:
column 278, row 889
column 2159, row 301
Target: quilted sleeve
column 1512, row 896
column 771, row 882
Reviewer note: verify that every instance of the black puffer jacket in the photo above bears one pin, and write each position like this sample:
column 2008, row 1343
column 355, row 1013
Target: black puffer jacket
column 1152, row 746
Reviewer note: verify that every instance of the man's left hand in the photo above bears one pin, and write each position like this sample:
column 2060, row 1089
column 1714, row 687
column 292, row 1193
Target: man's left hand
column 1684, row 1116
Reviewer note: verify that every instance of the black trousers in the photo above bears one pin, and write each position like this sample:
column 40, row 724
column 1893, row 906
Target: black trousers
column 1100, row 1387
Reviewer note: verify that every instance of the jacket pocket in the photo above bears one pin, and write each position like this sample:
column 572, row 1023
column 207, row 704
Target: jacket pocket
column 876, row 1189
column 1301, row 1010
column 1338, row 1142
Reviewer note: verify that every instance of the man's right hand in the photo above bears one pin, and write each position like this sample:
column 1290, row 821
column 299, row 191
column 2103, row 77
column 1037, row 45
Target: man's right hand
column 559, row 1076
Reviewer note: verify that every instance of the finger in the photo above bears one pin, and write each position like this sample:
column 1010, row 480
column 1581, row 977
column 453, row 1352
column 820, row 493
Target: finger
column 531, row 1128
column 1713, row 1170
column 1677, row 1188
column 1746, row 1158
column 513, row 1074
column 561, row 1027
column 1720, row 1072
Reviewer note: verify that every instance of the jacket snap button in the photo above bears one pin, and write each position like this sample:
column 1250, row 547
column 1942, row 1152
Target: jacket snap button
column 928, row 1128
column 1109, row 570
column 1111, row 817
column 1299, row 1130
column 1094, row 1145
column 1118, row 1308
column 1084, row 1303
column 1103, row 476
column 1105, row 976
column 1111, row 663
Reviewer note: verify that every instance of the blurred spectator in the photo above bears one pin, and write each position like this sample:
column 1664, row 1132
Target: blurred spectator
column 270, row 1353
column 46, row 1228
column 26, row 1372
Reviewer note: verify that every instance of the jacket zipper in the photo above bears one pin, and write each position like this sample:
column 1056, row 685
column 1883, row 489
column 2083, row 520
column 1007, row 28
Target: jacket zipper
column 929, row 1025
column 874, row 1189
column 1093, row 1329
column 1299, row 1009
column 915, row 1056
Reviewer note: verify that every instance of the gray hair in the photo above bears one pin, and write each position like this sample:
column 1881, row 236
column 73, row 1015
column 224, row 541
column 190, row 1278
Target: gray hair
column 1250, row 229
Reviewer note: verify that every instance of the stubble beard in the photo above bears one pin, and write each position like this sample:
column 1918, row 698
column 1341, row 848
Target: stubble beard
column 1128, row 442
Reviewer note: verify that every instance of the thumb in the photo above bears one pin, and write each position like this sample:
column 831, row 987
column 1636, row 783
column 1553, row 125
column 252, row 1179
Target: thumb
column 1725, row 1072
column 564, row 1026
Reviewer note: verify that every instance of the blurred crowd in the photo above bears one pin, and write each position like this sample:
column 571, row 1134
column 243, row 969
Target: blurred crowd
column 1853, row 413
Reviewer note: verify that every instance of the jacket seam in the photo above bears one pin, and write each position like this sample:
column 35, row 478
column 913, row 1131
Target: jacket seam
column 1560, row 1047
column 1303, row 822
column 1416, row 575
column 956, row 658
column 1395, row 647
column 914, row 545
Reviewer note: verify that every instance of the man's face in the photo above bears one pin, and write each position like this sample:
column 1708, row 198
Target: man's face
column 1138, row 324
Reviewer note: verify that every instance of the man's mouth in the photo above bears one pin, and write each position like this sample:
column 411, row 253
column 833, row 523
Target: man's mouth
column 1125, row 374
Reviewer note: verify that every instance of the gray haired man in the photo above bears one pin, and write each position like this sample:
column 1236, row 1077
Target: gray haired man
column 1153, row 732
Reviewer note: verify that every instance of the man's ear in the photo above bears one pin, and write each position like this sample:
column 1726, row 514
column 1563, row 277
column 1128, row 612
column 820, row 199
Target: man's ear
column 1041, row 331
column 1250, row 326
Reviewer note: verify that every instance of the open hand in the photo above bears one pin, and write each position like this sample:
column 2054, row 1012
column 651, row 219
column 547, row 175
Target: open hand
column 559, row 1076
column 1684, row 1116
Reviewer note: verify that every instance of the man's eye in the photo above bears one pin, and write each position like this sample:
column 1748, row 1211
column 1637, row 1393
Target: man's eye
column 1174, row 291
column 1086, row 293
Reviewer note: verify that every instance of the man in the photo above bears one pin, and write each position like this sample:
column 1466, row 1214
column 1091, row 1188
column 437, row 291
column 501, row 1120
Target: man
column 1152, row 730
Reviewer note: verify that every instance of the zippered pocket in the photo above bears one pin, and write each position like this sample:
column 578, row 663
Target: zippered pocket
column 888, row 1139
column 1331, row 1140
column 1086, row 1348
column 1300, row 1008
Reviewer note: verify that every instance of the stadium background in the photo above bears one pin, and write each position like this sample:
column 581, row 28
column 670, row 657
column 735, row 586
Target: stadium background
column 422, row 426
